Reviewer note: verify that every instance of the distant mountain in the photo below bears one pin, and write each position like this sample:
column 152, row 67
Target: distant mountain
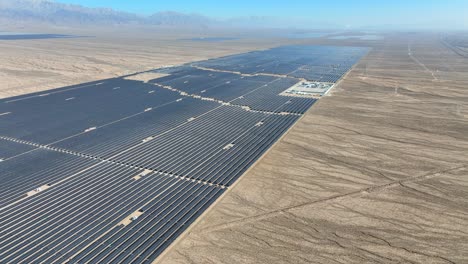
column 276, row 22
column 170, row 18
column 25, row 12
column 45, row 11
column 57, row 13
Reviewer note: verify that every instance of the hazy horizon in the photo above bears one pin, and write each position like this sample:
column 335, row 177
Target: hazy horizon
column 395, row 14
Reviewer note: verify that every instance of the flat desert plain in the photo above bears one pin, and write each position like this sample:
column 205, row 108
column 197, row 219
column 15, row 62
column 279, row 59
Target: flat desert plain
column 374, row 173
column 36, row 65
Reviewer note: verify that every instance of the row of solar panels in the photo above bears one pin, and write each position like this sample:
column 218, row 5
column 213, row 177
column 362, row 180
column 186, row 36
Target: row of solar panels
column 114, row 171
column 78, row 215
column 56, row 116
column 250, row 91
column 48, row 226
column 314, row 63
column 88, row 217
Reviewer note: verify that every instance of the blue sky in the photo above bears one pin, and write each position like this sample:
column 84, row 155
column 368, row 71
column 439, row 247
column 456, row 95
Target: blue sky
column 429, row 13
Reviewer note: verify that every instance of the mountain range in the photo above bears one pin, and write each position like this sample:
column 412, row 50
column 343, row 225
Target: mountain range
column 21, row 12
column 46, row 11
column 25, row 12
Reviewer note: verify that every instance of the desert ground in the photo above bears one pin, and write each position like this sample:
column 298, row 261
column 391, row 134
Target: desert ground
column 35, row 65
column 375, row 172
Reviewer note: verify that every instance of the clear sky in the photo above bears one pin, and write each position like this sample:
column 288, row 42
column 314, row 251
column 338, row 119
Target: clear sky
column 422, row 13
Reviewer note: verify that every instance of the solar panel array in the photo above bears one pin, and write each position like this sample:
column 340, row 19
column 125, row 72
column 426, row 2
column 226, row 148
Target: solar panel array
column 114, row 171
column 313, row 63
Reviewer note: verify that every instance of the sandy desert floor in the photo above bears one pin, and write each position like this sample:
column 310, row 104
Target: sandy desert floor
column 375, row 173
column 35, row 65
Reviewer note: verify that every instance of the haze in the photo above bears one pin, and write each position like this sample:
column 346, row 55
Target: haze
column 386, row 14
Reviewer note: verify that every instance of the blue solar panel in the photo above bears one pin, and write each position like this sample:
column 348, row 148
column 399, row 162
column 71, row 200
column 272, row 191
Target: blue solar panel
column 113, row 171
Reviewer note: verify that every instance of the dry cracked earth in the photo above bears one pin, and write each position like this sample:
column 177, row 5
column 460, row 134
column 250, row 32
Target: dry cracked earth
column 375, row 173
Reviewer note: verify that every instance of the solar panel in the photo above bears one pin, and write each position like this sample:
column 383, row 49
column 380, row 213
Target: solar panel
column 113, row 171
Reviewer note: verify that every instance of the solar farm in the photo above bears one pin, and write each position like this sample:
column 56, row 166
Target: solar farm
column 113, row 171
